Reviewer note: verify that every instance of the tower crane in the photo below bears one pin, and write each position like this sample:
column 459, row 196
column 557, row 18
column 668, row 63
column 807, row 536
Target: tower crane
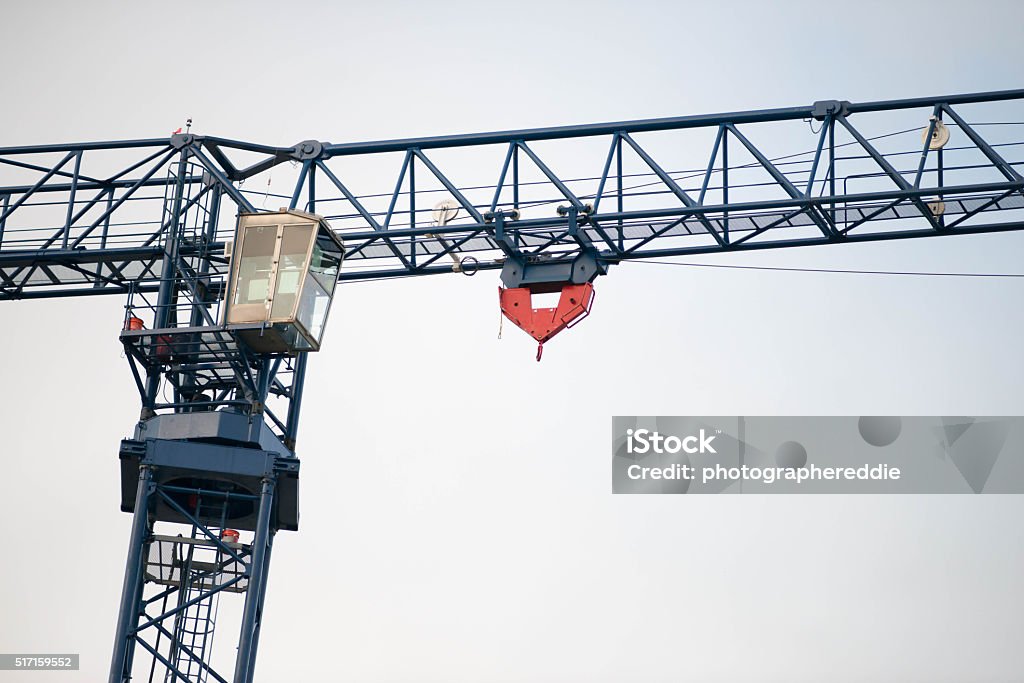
column 225, row 298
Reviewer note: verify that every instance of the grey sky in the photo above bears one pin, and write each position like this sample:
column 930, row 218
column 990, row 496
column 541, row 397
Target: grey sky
column 457, row 521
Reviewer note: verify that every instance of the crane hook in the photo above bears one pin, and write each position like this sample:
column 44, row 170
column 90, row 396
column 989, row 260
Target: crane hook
column 542, row 324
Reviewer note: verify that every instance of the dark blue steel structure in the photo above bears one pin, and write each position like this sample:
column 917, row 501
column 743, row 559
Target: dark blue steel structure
column 214, row 447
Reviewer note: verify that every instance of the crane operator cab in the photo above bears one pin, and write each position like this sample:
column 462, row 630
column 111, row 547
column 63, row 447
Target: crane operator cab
column 284, row 270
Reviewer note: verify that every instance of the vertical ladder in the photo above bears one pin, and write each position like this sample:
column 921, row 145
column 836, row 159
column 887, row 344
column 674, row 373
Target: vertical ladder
column 193, row 629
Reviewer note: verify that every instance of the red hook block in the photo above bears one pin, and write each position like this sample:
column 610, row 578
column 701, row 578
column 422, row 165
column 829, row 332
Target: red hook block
column 542, row 324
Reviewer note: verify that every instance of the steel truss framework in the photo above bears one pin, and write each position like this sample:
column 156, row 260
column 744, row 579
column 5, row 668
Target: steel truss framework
column 172, row 612
column 153, row 220
column 95, row 238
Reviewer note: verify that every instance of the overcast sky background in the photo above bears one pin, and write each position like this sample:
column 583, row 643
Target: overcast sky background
column 457, row 520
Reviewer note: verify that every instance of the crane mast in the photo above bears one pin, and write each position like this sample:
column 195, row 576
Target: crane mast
column 225, row 297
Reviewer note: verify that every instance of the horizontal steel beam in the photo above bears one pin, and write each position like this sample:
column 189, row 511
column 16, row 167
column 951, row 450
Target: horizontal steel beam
column 549, row 133
column 650, row 125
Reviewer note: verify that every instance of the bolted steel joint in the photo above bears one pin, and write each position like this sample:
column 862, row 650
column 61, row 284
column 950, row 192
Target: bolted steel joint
column 586, row 210
column 511, row 214
column 823, row 108
column 308, row 150
column 182, row 140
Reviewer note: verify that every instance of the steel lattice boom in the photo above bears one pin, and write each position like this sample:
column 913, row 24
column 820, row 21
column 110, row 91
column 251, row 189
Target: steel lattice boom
column 66, row 229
